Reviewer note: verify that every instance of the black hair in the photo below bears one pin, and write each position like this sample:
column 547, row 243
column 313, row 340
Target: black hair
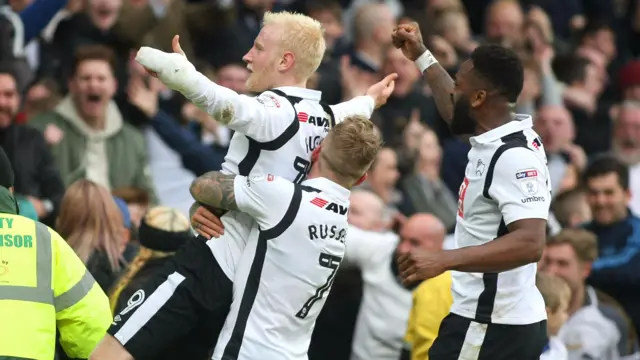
column 607, row 164
column 317, row 6
column 501, row 67
column 570, row 68
column 592, row 27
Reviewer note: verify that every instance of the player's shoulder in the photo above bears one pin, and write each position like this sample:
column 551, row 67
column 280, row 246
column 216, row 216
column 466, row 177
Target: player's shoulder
column 271, row 99
column 268, row 181
column 519, row 158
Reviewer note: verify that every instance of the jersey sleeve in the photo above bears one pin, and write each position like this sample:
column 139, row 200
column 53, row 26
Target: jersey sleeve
column 520, row 186
column 264, row 197
column 364, row 248
column 359, row 105
column 82, row 308
column 259, row 118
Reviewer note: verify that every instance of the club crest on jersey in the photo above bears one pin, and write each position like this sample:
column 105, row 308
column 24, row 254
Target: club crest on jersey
column 268, row 100
column 330, row 206
column 528, row 181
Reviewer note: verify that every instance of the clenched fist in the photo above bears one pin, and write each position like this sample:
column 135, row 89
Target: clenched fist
column 407, row 37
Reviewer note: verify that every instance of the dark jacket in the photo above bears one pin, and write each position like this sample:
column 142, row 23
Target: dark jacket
column 617, row 269
column 35, row 170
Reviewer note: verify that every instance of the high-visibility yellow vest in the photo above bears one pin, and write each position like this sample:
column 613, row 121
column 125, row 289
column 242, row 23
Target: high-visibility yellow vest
column 44, row 286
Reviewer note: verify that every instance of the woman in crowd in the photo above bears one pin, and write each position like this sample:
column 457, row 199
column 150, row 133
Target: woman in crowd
column 92, row 224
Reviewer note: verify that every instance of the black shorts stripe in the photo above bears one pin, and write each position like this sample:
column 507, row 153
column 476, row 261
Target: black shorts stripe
column 487, row 299
column 232, row 350
column 499, row 342
column 255, row 147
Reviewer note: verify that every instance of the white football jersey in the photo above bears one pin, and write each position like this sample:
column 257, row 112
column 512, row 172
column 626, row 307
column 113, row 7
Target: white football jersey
column 275, row 133
column 287, row 269
column 506, row 180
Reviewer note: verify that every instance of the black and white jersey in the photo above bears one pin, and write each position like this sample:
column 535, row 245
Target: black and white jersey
column 287, row 268
column 275, row 133
column 506, row 180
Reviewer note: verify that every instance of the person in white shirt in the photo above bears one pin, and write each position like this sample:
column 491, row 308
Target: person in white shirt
column 503, row 205
column 275, row 133
column 557, row 295
column 597, row 328
column 386, row 302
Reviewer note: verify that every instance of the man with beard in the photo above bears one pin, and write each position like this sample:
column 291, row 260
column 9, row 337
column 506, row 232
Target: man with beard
column 626, row 147
column 503, row 205
column 38, row 185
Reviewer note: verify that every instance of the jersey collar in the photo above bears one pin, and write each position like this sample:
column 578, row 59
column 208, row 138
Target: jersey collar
column 303, row 93
column 521, row 122
column 324, row 184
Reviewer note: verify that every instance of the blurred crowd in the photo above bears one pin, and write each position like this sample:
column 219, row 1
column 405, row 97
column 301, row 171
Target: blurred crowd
column 95, row 142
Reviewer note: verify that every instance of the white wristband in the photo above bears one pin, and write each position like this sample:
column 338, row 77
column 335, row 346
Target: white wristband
column 425, row 60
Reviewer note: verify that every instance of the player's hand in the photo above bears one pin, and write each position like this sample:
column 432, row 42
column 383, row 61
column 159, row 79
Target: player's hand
column 407, row 37
column 420, row 264
column 172, row 69
column 206, row 223
column 381, row 90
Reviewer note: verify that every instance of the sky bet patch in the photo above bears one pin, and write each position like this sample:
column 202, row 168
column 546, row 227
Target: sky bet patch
column 526, row 174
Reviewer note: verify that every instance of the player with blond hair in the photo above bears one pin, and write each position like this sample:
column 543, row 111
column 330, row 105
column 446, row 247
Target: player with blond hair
column 275, row 133
column 294, row 252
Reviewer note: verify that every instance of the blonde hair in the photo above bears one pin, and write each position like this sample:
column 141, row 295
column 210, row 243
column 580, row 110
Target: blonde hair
column 351, row 147
column 90, row 221
column 301, row 35
column 554, row 290
column 161, row 218
column 583, row 242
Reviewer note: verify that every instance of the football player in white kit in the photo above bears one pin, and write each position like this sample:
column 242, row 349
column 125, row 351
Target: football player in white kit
column 275, row 133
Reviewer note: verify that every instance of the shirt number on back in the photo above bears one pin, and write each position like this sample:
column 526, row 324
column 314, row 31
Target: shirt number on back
column 303, row 167
column 329, row 262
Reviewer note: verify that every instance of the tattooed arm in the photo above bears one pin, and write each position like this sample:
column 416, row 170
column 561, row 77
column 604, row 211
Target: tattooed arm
column 441, row 86
column 407, row 38
column 215, row 189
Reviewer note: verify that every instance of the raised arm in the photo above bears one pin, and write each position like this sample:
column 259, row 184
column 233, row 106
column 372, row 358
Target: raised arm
column 407, row 38
column 375, row 97
column 247, row 115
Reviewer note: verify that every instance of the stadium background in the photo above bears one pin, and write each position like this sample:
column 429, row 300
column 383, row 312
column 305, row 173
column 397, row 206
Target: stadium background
column 582, row 86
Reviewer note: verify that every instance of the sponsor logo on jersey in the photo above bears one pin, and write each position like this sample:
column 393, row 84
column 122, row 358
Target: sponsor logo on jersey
column 461, row 194
column 529, row 173
column 330, row 206
column 528, row 181
column 320, row 121
column 532, row 199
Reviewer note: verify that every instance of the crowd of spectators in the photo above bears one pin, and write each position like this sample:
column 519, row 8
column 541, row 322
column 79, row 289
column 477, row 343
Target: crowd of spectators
column 95, row 141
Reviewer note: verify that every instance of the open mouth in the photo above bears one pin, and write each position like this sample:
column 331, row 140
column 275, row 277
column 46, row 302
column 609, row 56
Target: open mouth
column 93, row 98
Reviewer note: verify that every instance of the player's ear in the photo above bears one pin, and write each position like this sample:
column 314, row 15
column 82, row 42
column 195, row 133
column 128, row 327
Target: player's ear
column 287, row 61
column 478, row 98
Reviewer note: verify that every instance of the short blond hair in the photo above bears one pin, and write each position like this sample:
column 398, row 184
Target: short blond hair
column 583, row 242
column 554, row 290
column 351, row 147
column 301, row 35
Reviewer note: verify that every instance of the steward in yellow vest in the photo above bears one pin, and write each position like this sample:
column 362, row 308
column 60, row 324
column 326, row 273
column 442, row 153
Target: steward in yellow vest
column 44, row 287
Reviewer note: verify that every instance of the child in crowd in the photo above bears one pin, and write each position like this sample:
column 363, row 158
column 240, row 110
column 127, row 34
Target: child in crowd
column 556, row 294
